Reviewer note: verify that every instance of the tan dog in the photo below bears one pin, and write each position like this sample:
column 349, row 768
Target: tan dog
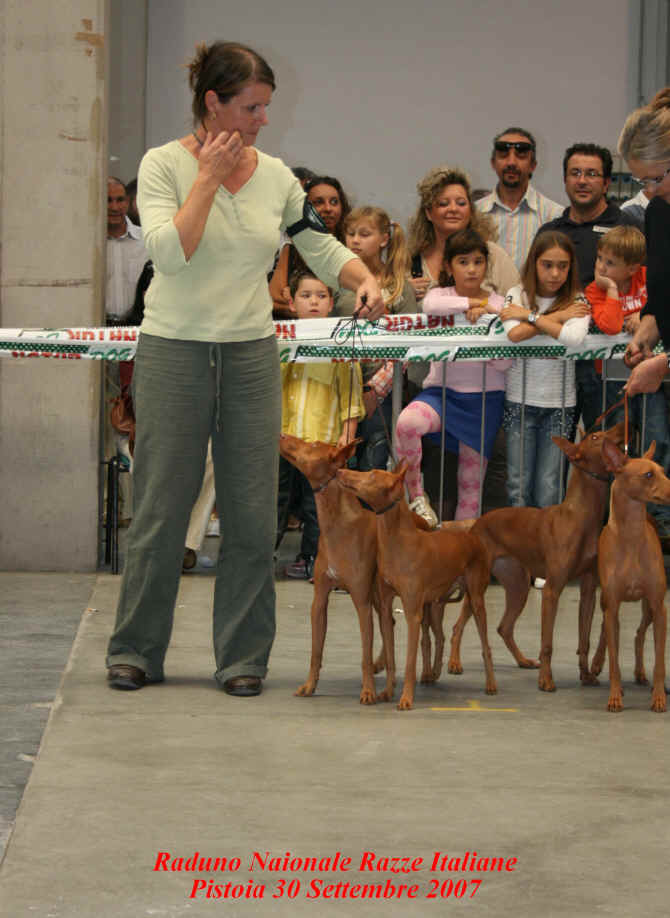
column 630, row 565
column 558, row 543
column 421, row 567
column 346, row 557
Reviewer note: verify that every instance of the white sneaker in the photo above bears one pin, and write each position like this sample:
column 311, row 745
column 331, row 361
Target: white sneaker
column 213, row 527
column 538, row 582
column 421, row 506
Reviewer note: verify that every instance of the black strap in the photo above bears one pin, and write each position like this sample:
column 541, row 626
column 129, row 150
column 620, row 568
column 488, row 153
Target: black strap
column 310, row 220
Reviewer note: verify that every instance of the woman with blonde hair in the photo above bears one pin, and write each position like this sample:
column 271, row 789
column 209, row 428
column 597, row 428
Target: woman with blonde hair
column 446, row 207
column 645, row 145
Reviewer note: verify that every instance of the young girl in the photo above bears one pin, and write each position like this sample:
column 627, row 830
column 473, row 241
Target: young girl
column 547, row 302
column 380, row 244
column 464, row 268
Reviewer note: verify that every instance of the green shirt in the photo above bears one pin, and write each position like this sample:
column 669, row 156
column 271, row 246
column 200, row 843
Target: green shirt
column 221, row 293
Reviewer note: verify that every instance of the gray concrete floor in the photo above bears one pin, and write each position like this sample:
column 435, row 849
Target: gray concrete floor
column 577, row 795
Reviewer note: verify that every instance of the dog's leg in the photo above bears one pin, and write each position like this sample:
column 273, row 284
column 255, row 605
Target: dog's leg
column 598, row 660
column 515, row 579
column 476, row 581
column 455, row 667
column 414, row 614
column 364, row 609
column 437, row 627
column 550, row 595
column 610, row 608
column 319, row 617
column 426, row 648
column 640, row 634
column 385, row 596
column 660, row 617
column 587, row 601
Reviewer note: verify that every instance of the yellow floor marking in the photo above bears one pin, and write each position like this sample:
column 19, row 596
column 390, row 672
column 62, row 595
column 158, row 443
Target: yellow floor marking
column 474, row 705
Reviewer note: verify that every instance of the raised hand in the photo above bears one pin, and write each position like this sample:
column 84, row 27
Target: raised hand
column 220, row 155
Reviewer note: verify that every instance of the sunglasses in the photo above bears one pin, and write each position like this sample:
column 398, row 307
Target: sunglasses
column 521, row 146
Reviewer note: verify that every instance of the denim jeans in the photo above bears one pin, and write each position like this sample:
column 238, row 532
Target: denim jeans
column 295, row 493
column 374, row 451
column 541, row 485
column 185, row 392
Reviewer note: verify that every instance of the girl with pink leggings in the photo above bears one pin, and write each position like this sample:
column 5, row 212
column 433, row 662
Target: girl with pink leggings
column 460, row 295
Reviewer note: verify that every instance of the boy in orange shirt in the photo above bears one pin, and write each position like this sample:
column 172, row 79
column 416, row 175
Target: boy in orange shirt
column 617, row 295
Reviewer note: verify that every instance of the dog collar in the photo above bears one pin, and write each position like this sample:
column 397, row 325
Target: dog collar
column 606, row 478
column 323, row 486
column 389, row 507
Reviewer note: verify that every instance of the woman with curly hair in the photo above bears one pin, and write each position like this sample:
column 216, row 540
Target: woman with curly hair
column 446, row 207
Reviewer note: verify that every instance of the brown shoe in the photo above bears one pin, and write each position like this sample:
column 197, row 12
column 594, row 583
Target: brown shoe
column 190, row 560
column 243, row 686
column 128, row 678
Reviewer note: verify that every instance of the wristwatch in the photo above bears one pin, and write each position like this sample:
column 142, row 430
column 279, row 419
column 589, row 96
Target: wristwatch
column 532, row 318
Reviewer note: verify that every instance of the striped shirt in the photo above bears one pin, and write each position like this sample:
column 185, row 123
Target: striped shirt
column 517, row 228
column 315, row 399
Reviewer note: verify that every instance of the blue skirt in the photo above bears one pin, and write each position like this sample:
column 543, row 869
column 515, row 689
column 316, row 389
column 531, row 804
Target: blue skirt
column 463, row 417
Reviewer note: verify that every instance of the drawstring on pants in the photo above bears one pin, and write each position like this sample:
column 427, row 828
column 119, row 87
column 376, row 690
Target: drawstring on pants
column 216, row 361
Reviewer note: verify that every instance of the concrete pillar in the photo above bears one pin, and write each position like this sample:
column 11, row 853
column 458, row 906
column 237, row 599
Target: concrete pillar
column 127, row 86
column 52, row 233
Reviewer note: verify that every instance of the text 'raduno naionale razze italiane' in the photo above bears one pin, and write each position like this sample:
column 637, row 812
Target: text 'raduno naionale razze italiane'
column 370, row 875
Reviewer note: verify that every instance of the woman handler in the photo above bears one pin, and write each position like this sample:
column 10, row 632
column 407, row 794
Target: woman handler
column 212, row 208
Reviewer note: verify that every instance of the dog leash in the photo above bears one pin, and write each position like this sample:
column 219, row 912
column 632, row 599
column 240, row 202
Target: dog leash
column 349, row 329
column 622, row 401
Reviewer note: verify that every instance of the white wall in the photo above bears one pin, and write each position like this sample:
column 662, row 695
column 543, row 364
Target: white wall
column 377, row 93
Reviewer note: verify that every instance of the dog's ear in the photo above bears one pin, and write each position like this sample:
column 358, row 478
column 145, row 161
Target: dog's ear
column 650, row 452
column 401, row 469
column 617, row 433
column 613, row 458
column 567, row 446
column 341, row 454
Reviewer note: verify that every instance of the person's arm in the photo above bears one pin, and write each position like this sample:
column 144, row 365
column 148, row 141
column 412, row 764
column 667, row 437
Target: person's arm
column 441, row 301
column 369, row 301
column 351, row 407
column 172, row 231
column 575, row 330
column 647, row 376
column 279, row 285
column 606, row 308
column 644, row 341
column 219, row 157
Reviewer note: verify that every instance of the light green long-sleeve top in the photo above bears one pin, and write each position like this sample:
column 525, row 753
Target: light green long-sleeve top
column 221, row 293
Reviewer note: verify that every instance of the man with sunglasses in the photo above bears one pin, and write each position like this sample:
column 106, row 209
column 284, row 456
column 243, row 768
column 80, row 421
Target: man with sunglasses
column 516, row 206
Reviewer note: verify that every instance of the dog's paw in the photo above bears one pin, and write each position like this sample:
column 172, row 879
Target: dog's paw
column 306, row 689
column 491, row 688
column 405, row 704
column 615, row 703
column 641, row 678
column 455, row 667
column 427, row 678
column 526, row 663
column 367, row 696
column 546, row 684
column 386, row 695
column 658, row 703
column 588, row 678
